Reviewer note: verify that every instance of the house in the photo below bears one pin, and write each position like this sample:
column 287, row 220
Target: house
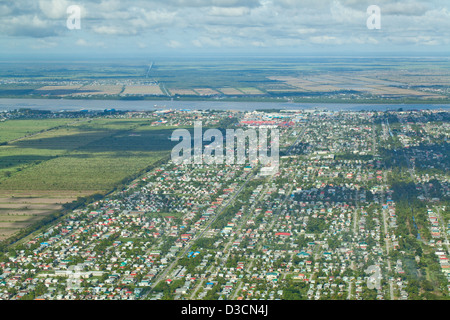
column 271, row 276
column 283, row 234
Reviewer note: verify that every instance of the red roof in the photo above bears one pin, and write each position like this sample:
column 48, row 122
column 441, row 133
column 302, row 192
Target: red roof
column 283, row 234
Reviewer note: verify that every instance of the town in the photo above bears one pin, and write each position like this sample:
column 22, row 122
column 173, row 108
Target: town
column 354, row 191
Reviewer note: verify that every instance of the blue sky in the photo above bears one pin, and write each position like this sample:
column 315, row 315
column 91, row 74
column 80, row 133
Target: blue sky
column 131, row 28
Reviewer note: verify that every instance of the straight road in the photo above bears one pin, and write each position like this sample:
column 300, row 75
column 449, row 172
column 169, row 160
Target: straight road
column 166, row 271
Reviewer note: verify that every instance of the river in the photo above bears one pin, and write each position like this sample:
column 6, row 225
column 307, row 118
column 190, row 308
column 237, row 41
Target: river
column 148, row 105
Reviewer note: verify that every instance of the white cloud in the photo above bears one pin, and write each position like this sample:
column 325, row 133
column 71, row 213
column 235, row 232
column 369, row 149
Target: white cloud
column 413, row 8
column 259, row 44
column 306, row 30
column 84, row 43
column 341, row 13
column 325, row 40
column 205, row 42
column 54, row 9
column 43, row 44
column 229, row 12
column 173, row 44
column 230, row 23
column 113, row 30
column 29, row 26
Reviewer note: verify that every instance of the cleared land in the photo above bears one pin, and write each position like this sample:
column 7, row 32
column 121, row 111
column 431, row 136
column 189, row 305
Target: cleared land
column 63, row 90
column 142, row 90
column 231, row 91
column 106, row 90
column 38, row 174
column 251, row 91
column 206, row 91
column 183, row 92
column 363, row 85
column 20, row 209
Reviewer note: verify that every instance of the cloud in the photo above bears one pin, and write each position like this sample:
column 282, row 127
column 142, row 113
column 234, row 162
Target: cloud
column 229, row 12
column 405, row 8
column 344, row 14
column 228, row 23
column 113, row 30
column 54, row 9
column 325, row 40
column 203, row 42
column 5, row 10
column 210, row 3
column 84, row 43
column 29, row 26
column 173, row 44
column 44, row 44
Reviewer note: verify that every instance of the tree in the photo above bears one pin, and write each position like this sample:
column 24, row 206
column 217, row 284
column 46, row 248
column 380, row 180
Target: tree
column 426, row 285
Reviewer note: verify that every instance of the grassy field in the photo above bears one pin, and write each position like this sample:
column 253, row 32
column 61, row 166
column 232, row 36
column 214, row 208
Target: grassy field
column 11, row 130
column 80, row 171
column 74, row 157
column 39, row 173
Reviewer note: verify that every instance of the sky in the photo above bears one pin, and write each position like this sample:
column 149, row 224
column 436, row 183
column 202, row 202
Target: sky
column 38, row 29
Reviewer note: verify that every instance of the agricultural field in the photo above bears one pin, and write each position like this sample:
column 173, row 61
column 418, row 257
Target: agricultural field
column 12, row 130
column 141, row 90
column 251, row 91
column 183, row 92
column 106, row 90
column 230, row 91
column 61, row 91
column 206, row 91
column 328, row 79
column 39, row 173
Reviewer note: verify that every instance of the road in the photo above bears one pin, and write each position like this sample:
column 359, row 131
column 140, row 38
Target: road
column 442, row 223
column 148, row 70
column 300, row 136
column 183, row 252
column 391, row 284
column 200, row 285
column 162, row 275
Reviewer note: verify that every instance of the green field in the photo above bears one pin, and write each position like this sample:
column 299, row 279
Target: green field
column 90, row 155
column 11, row 130
column 46, row 163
